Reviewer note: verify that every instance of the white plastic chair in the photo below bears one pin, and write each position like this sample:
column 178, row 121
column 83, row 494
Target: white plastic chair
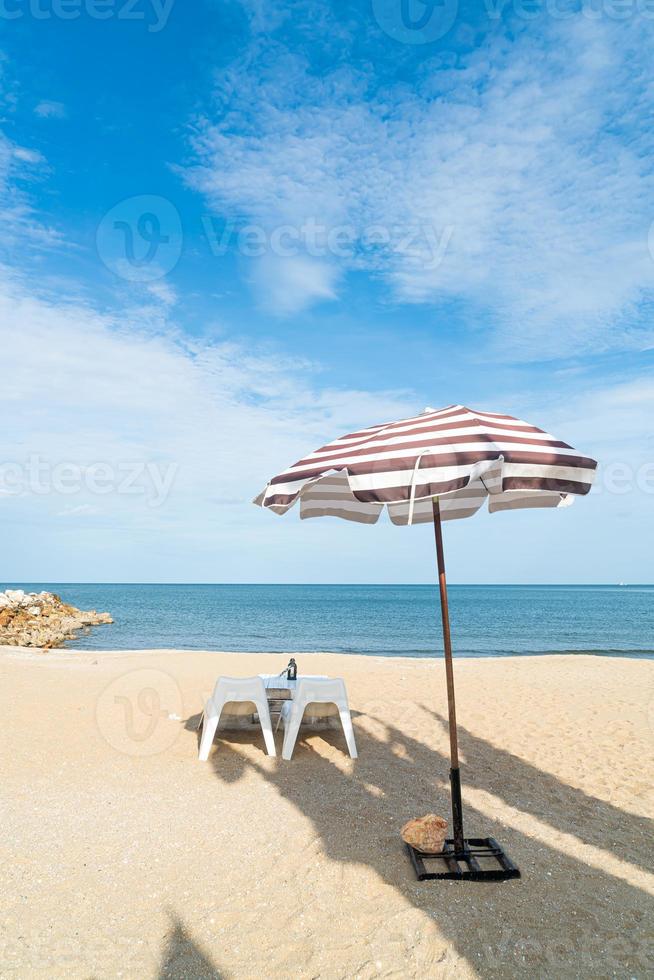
column 236, row 696
column 317, row 698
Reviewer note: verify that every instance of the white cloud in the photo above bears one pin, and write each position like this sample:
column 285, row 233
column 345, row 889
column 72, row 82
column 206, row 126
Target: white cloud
column 162, row 291
column 113, row 397
column 219, row 418
column 48, row 109
column 548, row 227
column 26, row 155
column 288, row 285
column 613, row 420
column 79, row 510
column 533, row 152
column 87, row 388
column 18, row 217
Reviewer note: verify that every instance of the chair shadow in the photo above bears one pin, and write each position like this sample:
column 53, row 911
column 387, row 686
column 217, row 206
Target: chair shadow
column 248, row 735
column 192, row 723
column 356, row 813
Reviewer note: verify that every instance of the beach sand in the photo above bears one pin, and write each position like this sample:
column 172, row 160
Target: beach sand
column 123, row 856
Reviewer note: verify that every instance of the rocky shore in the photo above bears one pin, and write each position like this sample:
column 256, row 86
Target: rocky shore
column 42, row 619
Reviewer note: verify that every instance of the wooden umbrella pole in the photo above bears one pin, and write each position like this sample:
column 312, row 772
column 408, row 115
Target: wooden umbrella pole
column 455, row 776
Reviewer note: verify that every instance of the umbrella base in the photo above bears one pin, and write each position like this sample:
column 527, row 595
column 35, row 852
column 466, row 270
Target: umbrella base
column 481, row 860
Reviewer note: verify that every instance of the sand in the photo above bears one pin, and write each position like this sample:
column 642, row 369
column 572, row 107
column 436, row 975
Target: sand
column 123, row 856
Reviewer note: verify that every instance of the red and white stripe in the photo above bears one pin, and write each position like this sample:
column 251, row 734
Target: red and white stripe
column 460, row 455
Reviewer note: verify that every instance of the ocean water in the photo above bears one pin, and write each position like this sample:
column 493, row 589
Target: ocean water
column 384, row 620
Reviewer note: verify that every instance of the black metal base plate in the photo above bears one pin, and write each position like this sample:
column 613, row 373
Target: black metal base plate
column 481, row 860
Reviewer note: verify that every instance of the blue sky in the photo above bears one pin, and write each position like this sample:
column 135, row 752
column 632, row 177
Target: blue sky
column 233, row 231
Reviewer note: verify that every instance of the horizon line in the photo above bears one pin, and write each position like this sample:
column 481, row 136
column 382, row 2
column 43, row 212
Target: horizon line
column 390, row 585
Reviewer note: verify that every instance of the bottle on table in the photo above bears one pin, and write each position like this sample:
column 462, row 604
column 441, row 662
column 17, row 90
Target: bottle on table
column 291, row 670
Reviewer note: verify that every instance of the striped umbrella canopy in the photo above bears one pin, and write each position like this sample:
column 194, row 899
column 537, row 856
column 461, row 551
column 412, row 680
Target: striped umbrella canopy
column 458, row 454
column 437, row 466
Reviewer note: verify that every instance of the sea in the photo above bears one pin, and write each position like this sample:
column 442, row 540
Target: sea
column 378, row 620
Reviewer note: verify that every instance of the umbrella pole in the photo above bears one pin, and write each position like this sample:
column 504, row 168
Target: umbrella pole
column 455, row 775
column 477, row 858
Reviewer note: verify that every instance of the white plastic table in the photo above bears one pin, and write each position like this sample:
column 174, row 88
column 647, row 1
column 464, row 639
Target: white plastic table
column 279, row 688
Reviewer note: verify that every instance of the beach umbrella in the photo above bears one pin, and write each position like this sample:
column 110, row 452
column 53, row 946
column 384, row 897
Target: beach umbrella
column 438, row 466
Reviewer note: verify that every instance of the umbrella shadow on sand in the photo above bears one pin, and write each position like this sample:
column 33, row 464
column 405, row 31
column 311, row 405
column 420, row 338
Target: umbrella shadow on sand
column 593, row 821
column 542, row 922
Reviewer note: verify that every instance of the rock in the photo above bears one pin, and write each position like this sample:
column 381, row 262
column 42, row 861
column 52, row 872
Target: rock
column 426, row 834
column 15, row 596
column 42, row 620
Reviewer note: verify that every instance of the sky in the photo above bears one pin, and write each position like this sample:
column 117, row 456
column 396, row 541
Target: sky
column 233, row 231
